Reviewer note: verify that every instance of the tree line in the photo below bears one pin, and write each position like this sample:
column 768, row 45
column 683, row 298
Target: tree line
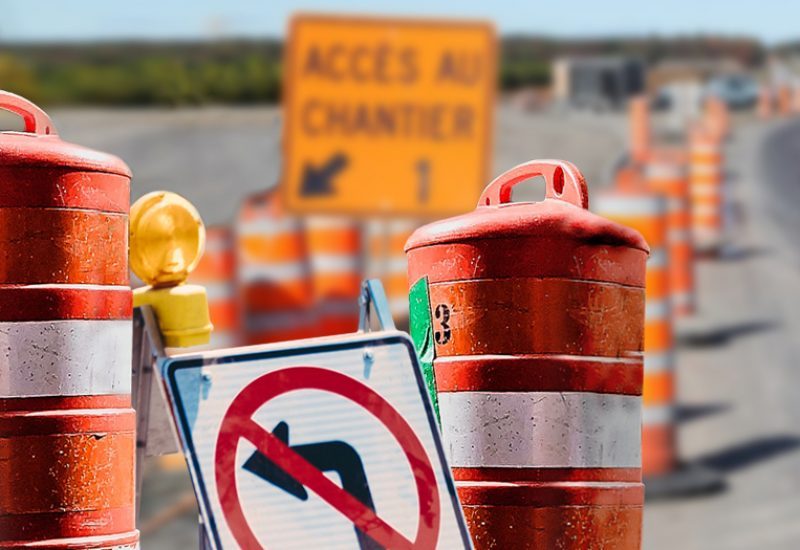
column 249, row 71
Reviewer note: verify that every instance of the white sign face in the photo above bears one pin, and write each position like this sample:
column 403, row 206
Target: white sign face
column 326, row 443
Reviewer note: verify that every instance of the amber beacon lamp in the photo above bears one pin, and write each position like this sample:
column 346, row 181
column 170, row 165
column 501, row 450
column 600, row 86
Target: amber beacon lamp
column 167, row 238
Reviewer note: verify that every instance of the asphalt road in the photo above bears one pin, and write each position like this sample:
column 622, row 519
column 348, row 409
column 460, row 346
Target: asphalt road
column 738, row 366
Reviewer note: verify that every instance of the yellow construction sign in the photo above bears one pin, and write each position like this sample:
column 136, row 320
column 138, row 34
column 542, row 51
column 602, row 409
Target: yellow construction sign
column 387, row 116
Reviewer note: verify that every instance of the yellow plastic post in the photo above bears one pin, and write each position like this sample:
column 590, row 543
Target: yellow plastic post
column 167, row 238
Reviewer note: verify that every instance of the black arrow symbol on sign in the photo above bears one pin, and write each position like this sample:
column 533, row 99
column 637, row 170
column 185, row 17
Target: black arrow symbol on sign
column 317, row 181
column 327, row 456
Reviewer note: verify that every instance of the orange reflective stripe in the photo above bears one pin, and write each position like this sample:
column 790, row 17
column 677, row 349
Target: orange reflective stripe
column 657, row 335
column 224, row 314
column 658, row 388
column 281, row 248
column 657, row 283
column 652, row 228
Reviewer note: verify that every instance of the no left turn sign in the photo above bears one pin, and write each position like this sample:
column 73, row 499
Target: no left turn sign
column 299, row 448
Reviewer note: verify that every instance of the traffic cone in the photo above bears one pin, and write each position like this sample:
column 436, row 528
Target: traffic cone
column 334, row 247
column 764, row 107
column 640, row 133
column 706, row 178
column 274, row 272
column 663, row 473
column 666, row 173
column 217, row 273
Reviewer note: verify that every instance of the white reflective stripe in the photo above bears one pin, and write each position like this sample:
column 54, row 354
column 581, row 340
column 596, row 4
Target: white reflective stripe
column 658, row 258
column 68, row 286
column 331, row 263
column 219, row 245
column 253, row 273
column 268, row 227
column 708, row 190
column 656, row 310
column 658, row 362
column 664, row 171
column 330, row 222
column 219, row 291
column 397, row 264
column 677, row 235
column 541, row 429
column 69, row 357
column 677, row 204
column 682, row 298
column 707, row 209
column 224, row 339
column 659, row 414
column 386, row 266
column 402, row 226
column 630, row 205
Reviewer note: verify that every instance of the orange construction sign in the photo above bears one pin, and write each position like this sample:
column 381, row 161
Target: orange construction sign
column 387, row 116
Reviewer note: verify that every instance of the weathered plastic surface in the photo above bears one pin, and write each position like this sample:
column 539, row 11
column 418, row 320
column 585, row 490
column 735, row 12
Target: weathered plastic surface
column 538, row 364
column 67, row 437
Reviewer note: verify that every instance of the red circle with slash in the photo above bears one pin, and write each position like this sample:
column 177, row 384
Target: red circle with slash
column 238, row 424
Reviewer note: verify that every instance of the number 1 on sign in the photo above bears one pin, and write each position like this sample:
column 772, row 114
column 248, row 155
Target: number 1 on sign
column 423, row 187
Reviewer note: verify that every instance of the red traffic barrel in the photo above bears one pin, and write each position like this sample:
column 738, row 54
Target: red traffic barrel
column 66, row 423
column 536, row 313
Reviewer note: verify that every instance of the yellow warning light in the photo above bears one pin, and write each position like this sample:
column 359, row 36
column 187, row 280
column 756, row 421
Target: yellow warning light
column 167, row 238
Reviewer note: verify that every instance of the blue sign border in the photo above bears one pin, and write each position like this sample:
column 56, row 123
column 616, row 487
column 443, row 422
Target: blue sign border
column 170, row 365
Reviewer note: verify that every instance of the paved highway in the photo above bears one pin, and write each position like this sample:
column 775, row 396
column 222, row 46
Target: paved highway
column 739, row 366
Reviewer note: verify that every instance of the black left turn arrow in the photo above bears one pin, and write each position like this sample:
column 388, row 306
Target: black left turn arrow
column 317, row 180
column 326, row 456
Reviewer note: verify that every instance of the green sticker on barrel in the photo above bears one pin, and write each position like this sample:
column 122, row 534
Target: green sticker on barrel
column 421, row 325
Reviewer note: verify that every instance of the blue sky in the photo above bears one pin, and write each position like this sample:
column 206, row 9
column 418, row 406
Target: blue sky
column 55, row 20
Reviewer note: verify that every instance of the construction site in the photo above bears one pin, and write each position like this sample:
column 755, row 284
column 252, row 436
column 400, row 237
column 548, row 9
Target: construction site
column 399, row 281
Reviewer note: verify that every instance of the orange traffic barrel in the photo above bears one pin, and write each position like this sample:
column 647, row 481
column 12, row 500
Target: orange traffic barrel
column 784, row 99
column 648, row 213
column 716, row 117
column 764, row 107
column 639, row 121
column 66, row 423
column 273, row 271
column 535, row 315
column 217, row 273
column 334, row 247
column 666, row 173
column 705, row 188
column 386, row 261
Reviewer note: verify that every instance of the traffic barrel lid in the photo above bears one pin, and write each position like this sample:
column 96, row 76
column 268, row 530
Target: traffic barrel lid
column 563, row 214
column 39, row 145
